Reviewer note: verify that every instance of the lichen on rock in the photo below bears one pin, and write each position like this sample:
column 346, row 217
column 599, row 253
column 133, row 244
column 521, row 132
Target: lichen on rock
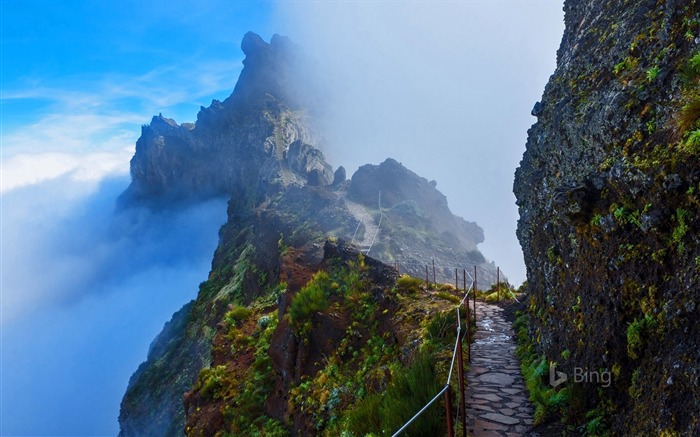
column 607, row 194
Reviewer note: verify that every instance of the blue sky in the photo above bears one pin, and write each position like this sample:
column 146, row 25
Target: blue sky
column 444, row 87
column 84, row 290
column 80, row 77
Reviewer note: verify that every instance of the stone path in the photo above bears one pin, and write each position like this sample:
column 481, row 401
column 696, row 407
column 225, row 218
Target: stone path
column 497, row 400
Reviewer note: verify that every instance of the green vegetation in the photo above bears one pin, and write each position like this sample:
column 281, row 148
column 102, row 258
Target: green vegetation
column 688, row 121
column 627, row 64
column 212, row 381
column 408, row 284
column 691, row 70
column 309, row 300
column 246, row 415
column 240, row 390
column 410, row 389
column 495, row 294
column 652, row 73
column 237, row 314
column 567, row 403
column 637, row 334
column 367, row 384
column 681, row 228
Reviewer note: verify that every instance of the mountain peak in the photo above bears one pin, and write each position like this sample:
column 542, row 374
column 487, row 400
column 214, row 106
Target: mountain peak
column 256, row 141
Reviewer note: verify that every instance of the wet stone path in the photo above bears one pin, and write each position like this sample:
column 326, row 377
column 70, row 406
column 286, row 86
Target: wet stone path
column 497, row 400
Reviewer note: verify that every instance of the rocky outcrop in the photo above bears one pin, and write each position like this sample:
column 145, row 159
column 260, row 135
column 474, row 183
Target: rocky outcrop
column 242, row 146
column 398, row 184
column 608, row 198
column 417, row 223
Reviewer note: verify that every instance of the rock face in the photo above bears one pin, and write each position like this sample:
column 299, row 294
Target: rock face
column 417, row 224
column 259, row 148
column 608, row 198
column 238, row 146
column 397, row 184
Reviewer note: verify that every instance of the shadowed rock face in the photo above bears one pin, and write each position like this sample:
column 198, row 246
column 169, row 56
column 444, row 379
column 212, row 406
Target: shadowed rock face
column 607, row 193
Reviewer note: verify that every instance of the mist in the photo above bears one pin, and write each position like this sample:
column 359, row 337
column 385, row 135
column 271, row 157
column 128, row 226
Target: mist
column 85, row 289
column 446, row 88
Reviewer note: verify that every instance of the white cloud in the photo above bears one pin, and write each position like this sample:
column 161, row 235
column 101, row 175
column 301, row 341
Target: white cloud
column 29, row 169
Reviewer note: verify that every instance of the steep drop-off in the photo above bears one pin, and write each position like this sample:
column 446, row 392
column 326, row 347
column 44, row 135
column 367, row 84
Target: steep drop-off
column 608, row 192
column 260, row 147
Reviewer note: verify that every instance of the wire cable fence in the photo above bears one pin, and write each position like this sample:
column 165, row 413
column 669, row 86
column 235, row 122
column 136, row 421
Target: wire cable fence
column 457, row 357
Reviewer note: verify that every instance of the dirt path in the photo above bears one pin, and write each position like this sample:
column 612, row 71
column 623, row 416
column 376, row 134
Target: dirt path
column 362, row 215
column 497, row 403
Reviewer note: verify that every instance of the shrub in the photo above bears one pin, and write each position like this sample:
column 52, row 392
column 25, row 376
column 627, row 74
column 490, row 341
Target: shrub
column 506, row 293
column 237, row 314
column 409, row 391
column 637, row 332
column 692, row 143
column 449, row 297
column 211, row 381
column 442, row 326
column 691, row 70
column 690, row 113
column 312, row 298
column 652, row 73
column 408, row 284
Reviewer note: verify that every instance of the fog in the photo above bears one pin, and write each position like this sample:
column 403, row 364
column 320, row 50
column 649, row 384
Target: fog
column 85, row 289
column 444, row 87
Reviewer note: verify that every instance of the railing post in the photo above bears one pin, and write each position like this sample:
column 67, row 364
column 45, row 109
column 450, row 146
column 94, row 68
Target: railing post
column 434, row 279
column 427, row 284
column 462, row 405
column 456, row 280
column 498, row 282
column 448, row 412
column 464, row 274
column 469, row 332
column 469, row 318
column 475, row 288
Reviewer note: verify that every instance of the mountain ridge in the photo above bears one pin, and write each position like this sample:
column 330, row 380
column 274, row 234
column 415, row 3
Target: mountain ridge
column 261, row 147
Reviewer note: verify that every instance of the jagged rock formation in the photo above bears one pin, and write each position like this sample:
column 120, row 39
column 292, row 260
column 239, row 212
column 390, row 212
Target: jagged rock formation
column 257, row 140
column 260, row 148
column 608, row 198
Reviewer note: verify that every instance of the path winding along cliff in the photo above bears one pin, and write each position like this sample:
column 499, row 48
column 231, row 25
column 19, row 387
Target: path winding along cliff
column 234, row 359
column 609, row 200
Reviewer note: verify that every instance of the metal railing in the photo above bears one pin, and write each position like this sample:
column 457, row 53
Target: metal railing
column 457, row 356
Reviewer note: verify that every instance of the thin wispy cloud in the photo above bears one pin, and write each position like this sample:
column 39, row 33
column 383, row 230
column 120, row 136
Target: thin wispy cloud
column 83, row 114
column 88, row 128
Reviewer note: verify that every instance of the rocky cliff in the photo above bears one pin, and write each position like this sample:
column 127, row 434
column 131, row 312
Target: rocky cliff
column 259, row 147
column 239, row 146
column 608, row 193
